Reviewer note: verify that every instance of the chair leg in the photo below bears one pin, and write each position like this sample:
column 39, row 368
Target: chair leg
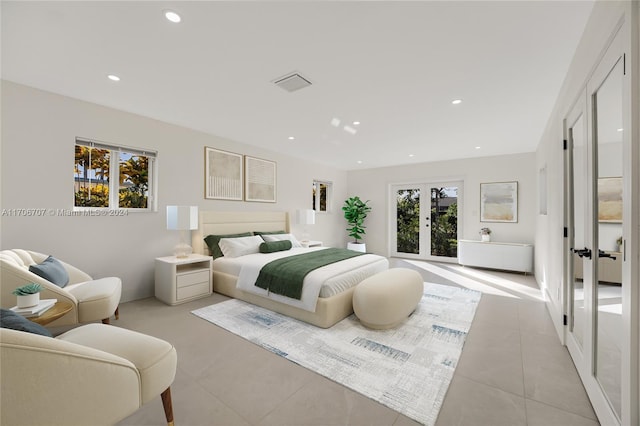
column 168, row 406
column 116, row 313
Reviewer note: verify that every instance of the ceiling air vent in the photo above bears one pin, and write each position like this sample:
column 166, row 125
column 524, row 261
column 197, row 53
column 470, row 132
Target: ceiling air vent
column 292, row 82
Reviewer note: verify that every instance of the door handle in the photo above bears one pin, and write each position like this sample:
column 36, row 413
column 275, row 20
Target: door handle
column 585, row 252
column 602, row 253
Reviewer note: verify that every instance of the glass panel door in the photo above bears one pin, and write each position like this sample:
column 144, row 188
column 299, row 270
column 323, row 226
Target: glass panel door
column 577, row 163
column 424, row 220
column 444, row 221
column 407, row 235
column 599, row 302
column 608, row 132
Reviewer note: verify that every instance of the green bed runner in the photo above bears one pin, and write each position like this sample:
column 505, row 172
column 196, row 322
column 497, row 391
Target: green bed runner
column 285, row 276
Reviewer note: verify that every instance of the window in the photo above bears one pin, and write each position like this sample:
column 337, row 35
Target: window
column 321, row 196
column 96, row 164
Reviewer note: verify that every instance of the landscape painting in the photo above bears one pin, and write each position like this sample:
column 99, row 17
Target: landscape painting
column 499, row 202
column 610, row 199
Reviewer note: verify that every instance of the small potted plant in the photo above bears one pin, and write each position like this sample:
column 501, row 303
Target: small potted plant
column 619, row 243
column 28, row 295
column 355, row 211
column 485, row 234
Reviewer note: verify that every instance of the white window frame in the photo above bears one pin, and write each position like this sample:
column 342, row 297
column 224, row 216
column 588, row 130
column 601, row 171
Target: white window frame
column 329, row 202
column 114, row 171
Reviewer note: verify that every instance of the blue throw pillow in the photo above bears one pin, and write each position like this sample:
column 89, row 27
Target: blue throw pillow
column 51, row 270
column 13, row 321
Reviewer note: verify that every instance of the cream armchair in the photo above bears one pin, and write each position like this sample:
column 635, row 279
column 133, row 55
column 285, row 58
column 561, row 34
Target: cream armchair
column 91, row 299
column 92, row 375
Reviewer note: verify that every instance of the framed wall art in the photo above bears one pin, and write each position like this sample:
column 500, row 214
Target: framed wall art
column 499, row 202
column 610, row 199
column 260, row 182
column 223, row 175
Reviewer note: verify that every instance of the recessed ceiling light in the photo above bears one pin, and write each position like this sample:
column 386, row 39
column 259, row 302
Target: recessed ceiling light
column 456, row 101
column 172, row 16
column 291, row 138
column 356, row 123
column 359, row 161
column 477, row 147
column 335, row 122
column 411, row 155
column 620, row 129
column 113, row 77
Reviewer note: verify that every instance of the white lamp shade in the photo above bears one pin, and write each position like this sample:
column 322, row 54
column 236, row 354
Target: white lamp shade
column 182, row 217
column 306, row 217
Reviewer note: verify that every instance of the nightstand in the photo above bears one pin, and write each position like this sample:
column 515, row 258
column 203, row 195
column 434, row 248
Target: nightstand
column 180, row 280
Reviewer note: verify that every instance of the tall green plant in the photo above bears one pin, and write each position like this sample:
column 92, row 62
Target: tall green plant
column 355, row 211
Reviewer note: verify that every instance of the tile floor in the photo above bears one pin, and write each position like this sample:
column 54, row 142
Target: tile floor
column 513, row 370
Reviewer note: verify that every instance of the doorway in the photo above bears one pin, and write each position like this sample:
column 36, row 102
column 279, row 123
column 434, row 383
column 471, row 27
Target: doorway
column 425, row 220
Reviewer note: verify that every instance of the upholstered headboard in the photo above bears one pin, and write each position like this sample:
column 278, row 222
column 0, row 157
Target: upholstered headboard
column 220, row 223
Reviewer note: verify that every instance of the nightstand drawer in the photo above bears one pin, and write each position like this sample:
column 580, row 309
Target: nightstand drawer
column 192, row 290
column 189, row 279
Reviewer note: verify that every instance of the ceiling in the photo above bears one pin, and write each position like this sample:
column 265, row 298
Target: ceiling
column 393, row 66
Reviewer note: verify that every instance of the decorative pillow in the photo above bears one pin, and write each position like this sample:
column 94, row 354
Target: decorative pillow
column 282, row 237
column 274, row 246
column 268, row 232
column 13, row 321
column 213, row 240
column 236, row 247
column 51, row 270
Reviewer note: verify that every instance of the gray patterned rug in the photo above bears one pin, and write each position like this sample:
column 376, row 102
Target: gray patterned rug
column 408, row 368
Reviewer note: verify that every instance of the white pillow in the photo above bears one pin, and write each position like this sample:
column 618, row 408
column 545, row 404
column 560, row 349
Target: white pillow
column 281, row 237
column 236, row 247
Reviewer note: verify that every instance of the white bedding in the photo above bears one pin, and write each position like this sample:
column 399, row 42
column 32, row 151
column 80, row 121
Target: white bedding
column 322, row 282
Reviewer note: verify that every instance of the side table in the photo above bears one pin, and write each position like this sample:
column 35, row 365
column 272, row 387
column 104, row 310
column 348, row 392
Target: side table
column 58, row 310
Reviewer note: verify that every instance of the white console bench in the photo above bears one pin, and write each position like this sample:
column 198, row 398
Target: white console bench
column 506, row 256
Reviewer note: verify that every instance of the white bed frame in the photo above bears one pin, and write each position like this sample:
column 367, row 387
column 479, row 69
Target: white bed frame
column 329, row 310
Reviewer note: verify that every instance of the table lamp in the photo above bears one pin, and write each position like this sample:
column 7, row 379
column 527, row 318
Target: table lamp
column 184, row 219
column 306, row 217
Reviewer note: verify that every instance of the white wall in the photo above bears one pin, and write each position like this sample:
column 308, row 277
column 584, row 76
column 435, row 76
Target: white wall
column 373, row 184
column 38, row 135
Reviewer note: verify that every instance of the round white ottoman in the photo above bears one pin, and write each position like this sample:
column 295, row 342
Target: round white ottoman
column 385, row 299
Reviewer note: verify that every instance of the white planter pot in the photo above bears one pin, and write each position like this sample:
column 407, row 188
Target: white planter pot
column 361, row 247
column 486, row 237
column 28, row 300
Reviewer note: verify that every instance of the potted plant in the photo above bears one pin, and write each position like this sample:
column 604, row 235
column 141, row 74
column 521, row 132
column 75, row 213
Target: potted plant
column 28, row 295
column 355, row 211
column 619, row 243
column 485, row 234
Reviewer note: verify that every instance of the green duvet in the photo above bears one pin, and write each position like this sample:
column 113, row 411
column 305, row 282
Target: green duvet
column 285, row 276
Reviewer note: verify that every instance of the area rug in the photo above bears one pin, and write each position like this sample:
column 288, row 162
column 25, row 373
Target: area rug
column 407, row 369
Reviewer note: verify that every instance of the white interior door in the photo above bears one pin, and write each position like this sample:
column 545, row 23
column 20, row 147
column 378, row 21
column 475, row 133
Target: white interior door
column 599, row 326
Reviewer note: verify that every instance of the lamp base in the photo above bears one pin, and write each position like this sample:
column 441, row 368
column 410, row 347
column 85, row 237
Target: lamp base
column 182, row 250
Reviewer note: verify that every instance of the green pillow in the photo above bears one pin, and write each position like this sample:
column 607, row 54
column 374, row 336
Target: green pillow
column 213, row 240
column 13, row 321
column 268, row 232
column 273, row 246
column 51, row 270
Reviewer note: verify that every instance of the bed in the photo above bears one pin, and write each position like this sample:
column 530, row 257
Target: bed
column 329, row 309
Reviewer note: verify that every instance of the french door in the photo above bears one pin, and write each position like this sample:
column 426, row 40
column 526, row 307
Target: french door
column 599, row 303
column 424, row 220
